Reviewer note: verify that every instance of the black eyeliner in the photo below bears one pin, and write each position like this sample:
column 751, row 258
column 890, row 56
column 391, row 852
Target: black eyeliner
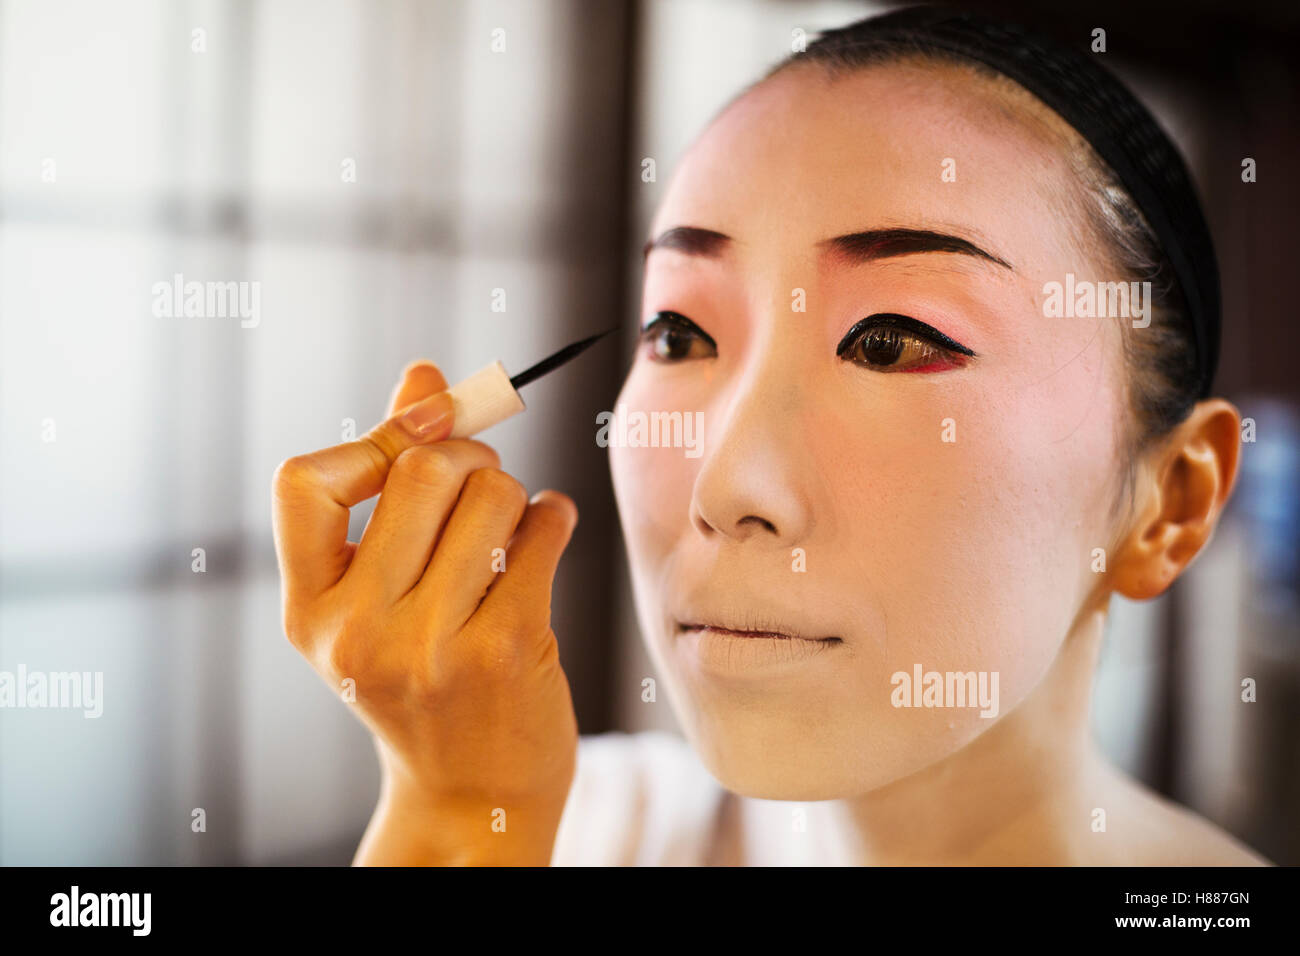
column 892, row 320
column 679, row 321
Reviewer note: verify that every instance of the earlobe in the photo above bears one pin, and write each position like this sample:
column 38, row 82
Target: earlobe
column 1181, row 493
column 1143, row 569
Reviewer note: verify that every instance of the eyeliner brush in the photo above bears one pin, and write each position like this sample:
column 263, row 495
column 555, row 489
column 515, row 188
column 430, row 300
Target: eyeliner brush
column 491, row 395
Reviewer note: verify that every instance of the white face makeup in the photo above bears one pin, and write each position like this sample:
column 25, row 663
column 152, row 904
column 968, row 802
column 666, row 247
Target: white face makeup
column 923, row 489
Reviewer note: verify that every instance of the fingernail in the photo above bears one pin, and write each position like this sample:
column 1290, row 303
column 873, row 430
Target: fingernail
column 428, row 415
column 412, row 366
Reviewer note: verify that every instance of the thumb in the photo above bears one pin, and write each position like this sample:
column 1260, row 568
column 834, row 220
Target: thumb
column 420, row 379
column 312, row 493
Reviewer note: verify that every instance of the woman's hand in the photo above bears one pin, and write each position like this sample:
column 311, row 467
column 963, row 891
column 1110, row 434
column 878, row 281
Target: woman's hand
column 438, row 621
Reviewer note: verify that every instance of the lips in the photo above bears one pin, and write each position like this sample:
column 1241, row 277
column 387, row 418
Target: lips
column 747, row 650
column 736, row 629
column 727, row 606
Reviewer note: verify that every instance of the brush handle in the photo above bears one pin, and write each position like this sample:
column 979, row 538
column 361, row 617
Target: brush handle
column 482, row 400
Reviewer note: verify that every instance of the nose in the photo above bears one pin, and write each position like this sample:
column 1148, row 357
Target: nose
column 750, row 485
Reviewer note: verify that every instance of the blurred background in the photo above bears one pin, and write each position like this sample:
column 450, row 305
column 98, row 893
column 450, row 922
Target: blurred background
column 390, row 172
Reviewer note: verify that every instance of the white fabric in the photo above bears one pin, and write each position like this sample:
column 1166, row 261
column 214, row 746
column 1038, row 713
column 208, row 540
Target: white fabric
column 646, row 800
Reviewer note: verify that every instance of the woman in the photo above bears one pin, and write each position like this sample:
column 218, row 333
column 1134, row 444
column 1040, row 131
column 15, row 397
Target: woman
column 945, row 302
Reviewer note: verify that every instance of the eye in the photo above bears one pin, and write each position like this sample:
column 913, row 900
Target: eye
column 887, row 342
column 671, row 337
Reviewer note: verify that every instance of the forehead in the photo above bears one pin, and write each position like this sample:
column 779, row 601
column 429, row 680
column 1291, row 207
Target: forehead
column 804, row 156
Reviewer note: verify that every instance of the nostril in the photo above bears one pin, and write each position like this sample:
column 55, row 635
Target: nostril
column 702, row 523
column 762, row 522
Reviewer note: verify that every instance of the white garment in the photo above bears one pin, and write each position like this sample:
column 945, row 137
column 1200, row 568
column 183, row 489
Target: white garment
column 645, row 799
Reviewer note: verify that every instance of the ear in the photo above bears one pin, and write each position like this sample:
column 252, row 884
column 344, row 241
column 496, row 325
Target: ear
column 1180, row 493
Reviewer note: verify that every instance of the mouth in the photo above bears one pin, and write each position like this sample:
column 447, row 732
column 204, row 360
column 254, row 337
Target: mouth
column 768, row 632
column 748, row 649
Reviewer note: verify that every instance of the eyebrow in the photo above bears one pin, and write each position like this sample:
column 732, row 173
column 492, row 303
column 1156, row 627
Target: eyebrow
column 691, row 240
column 883, row 243
column 855, row 247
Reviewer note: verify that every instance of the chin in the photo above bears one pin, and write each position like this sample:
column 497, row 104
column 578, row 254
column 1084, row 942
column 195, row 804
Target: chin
column 752, row 765
column 771, row 754
column 762, row 748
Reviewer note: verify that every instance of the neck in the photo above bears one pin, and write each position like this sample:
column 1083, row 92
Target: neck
column 1020, row 793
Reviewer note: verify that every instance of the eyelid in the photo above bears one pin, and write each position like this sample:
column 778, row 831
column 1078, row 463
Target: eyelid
column 903, row 323
column 668, row 317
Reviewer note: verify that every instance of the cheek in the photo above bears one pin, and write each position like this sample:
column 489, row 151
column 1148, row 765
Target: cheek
column 652, row 486
column 968, row 519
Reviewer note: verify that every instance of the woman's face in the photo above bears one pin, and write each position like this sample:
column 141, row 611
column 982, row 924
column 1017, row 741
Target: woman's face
column 898, row 506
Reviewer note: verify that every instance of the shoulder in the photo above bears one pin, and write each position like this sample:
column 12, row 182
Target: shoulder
column 1191, row 840
column 640, row 799
column 1161, row 832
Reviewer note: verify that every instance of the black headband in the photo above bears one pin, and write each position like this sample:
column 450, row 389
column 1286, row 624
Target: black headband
column 1118, row 127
